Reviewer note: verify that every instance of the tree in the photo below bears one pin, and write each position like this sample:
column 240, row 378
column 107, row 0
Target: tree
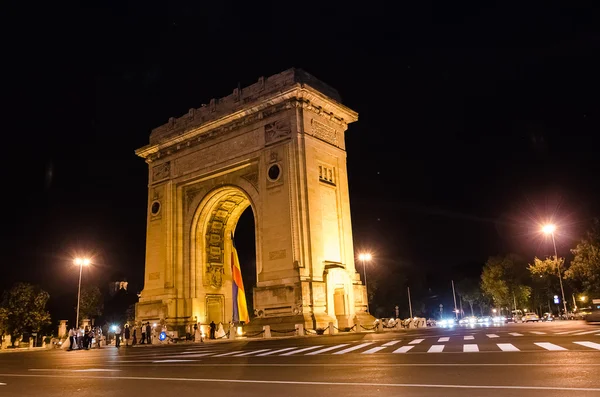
column 546, row 267
column 503, row 280
column 470, row 291
column 585, row 266
column 25, row 309
column 91, row 303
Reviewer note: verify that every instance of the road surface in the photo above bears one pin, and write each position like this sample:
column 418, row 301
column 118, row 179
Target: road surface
column 546, row 359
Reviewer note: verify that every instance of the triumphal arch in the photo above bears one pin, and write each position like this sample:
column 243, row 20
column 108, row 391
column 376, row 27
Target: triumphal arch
column 276, row 146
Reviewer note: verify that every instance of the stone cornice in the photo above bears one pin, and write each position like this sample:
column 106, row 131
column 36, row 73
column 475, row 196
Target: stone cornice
column 300, row 95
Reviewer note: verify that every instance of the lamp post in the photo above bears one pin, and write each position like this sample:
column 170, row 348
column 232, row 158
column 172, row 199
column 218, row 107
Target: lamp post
column 364, row 258
column 550, row 229
column 81, row 262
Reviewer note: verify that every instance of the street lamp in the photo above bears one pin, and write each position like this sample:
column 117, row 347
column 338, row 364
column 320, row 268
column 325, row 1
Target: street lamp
column 550, row 229
column 81, row 262
column 583, row 298
column 364, row 258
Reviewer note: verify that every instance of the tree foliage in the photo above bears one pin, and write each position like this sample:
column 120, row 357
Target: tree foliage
column 25, row 309
column 91, row 303
column 546, row 267
column 585, row 266
column 503, row 280
column 470, row 292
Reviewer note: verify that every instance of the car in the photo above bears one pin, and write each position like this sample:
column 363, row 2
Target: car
column 548, row 317
column 594, row 315
column 471, row 320
column 530, row 317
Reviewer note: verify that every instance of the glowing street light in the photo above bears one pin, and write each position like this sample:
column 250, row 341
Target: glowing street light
column 81, row 262
column 364, row 258
column 550, row 229
column 583, row 298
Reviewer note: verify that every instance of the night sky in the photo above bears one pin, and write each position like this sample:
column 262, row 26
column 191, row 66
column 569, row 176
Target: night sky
column 476, row 122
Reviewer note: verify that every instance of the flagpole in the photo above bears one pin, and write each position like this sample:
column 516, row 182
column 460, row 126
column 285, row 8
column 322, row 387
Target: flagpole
column 409, row 303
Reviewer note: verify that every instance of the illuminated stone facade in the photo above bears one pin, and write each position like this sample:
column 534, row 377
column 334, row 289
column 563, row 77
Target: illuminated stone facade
column 278, row 147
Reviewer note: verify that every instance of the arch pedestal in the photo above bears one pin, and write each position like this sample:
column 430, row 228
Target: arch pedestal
column 278, row 148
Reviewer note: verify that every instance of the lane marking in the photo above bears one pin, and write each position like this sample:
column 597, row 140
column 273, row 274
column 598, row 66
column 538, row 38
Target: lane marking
column 567, row 332
column 74, row 370
column 436, row 349
column 2, row 384
column 403, row 349
column 227, row 354
column 374, row 350
column 549, row 346
column 196, row 352
column 591, row 345
column 311, row 383
column 350, row 349
column 507, row 347
column 301, row 350
column 469, row 337
column 538, row 332
column 173, row 361
column 196, row 355
column 392, row 343
column 444, row 339
column 470, row 348
column 585, row 333
column 327, row 349
column 416, row 341
column 276, row 351
column 492, row 335
column 251, row 352
column 515, row 334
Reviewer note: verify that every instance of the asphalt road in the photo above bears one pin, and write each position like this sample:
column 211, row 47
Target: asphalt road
column 560, row 359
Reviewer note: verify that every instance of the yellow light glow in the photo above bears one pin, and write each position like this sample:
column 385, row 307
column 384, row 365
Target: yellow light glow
column 239, row 331
column 549, row 228
column 82, row 261
column 365, row 257
column 583, row 298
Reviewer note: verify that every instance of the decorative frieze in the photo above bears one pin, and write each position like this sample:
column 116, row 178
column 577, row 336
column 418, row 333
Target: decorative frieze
column 324, row 132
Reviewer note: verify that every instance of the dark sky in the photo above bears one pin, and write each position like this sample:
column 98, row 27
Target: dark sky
column 477, row 121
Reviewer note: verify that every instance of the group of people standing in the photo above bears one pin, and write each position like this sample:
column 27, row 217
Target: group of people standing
column 84, row 339
column 141, row 334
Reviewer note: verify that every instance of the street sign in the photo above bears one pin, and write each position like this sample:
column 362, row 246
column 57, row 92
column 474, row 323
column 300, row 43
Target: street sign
column 556, row 300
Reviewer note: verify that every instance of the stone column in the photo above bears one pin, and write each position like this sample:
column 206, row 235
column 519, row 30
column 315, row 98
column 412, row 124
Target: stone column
column 267, row 333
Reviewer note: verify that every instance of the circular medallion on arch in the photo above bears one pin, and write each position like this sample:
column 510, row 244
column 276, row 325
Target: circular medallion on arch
column 155, row 208
column 274, row 172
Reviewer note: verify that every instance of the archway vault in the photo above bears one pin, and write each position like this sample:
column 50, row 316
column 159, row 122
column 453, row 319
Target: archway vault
column 278, row 147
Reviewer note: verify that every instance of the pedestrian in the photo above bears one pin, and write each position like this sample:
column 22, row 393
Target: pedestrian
column 213, row 328
column 148, row 333
column 71, row 338
column 143, row 333
column 86, row 338
column 127, row 335
column 117, row 336
column 134, row 335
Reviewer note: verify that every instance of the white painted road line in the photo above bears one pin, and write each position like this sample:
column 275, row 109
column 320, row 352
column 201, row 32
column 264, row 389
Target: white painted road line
column 591, row 345
column 374, row 350
column 444, row 339
column 507, row 347
column 168, row 361
column 492, row 335
column 276, row 351
column 228, row 354
column 392, row 343
column 436, row 349
column 2, row 384
column 301, row 350
column 515, row 334
column 351, row 349
column 327, row 349
column 469, row 337
column 251, row 352
column 403, row 349
column 196, row 355
column 416, row 341
column 549, row 346
column 538, row 332
column 585, row 333
column 567, row 332
column 470, row 348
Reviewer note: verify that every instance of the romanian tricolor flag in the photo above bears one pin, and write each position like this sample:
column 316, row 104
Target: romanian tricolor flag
column 240, row 309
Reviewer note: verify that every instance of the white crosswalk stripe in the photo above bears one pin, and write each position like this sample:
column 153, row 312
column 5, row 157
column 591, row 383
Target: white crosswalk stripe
column 568, row 332
column 470, row 348
column 374, row 350
column 416, row 341
column 436, row 349
column 492, row 335
column 591, row 345
column 469, row 337
column 444, row 339
column 549, row 346
column 228, row 354
column 391, row 343
column 276, row 351
column 515, row 334
column 327, row 349
column 585, row 333
column 538, row 332
column 251, row 352
column 301, row 350
column 507, row 347
column 351, row 349
column 403, row 349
